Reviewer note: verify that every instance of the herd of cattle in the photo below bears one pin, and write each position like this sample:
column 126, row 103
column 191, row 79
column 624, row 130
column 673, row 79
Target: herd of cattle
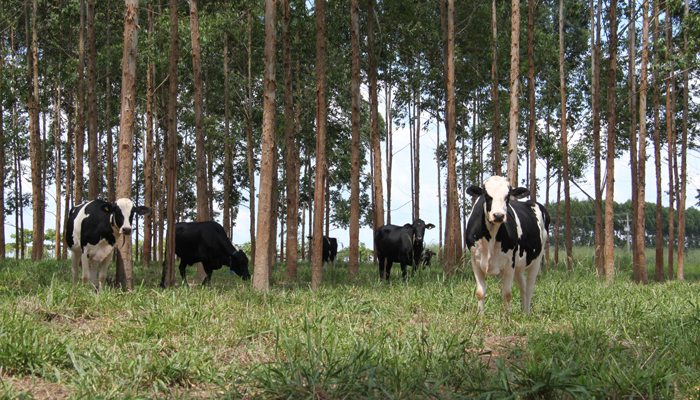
column 504, row 235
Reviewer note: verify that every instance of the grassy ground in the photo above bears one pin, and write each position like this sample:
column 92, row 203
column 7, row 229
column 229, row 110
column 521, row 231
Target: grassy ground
column 354, row 339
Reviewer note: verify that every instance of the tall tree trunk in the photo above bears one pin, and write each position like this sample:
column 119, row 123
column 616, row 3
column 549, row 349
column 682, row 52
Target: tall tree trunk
column 557, row 227
column 495, row 93
column 659, row 259
column 111, row 196
column 439, row 172
column 684, row 155
column 353, row 261
column 671, row 135
column 148, row 158
column 170, row 144
column 640, row 230
column 388, row 148
column 69, row 167
column 416, row 148
column 57, row 168
column 632, row 88
column 202, row 192
column 546, row 206
column 453, row 235
column 2, row 161
column 321, row 112
column 274, row 205
column 80, row 126
column 250, row 144
column 227, row 146
column 610, row 157
column 94, row 177
column 35, row 152
column 514, row 88
column 127, row 122
column 564, row 144
column 262, row 262
column 291, row 149
column 374, row 117
column 595, row 95
column 531, row 94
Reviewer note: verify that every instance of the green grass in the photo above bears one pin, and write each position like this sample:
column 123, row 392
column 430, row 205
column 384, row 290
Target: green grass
column 352, row 339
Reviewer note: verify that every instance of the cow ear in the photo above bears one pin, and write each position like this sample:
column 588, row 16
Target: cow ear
column 520, row 192
column 142, row 210
column 109, row 207
column 430, row 226
column 475, row 191
column 408, row 226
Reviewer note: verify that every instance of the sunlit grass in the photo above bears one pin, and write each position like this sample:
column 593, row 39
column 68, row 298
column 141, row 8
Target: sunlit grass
column 353, row 338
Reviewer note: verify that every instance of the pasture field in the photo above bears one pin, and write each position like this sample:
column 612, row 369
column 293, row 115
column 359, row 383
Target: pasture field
column 352, row 339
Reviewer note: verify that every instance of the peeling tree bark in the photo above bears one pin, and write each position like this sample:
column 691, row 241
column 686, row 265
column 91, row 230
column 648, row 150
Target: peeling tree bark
column 125, row 272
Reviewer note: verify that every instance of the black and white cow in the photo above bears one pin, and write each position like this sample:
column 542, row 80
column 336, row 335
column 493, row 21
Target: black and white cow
column 506, row 237
column 206, row 242
column 92, row 230
column 401, row 244
column 427, row 257
column 329, row 250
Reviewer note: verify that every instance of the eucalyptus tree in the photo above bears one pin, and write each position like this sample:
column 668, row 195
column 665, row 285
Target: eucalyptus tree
column 659, row 246
column 80, row 111
column 34, row 138
column 670, row 134
column 640, row 268
column 125, row 273
column 170, row 144
column 684, row 151
column 453, row 235
column 2, row 149
column 94, row 180
column 610, row 156
column 262, row 264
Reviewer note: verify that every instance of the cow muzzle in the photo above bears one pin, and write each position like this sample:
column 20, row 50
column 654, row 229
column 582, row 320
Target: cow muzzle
column 498, row 218
column 126, row 231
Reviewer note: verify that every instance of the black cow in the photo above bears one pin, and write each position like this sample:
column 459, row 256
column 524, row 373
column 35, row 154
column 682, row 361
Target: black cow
column 92, row 229
column 506, row 237
column 329, row 250
column 402, row 244
column 427, row 257
column 206, row 242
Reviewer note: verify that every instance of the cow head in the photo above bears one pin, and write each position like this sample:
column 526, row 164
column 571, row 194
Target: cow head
column 238, row 263
column 497, row 193
column 122, row 215
column 419, row 228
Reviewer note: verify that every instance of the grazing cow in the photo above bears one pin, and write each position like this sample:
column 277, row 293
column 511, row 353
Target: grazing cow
column 427, row 257
column 206, row 242
column 402, row 244
column 329, row 250
column 92, row 230
column 506, row 237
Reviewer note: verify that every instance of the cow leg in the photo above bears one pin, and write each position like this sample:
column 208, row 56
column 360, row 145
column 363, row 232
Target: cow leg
column 103, row 270
column 480, row 283
column 208, row 269
column 325, row 265
column 404, row 271
column 75, row 259
column 183, row 271
column 506, row 290
column 520, row 280
column 85, row 263
column 530, row 285
column 382, row 273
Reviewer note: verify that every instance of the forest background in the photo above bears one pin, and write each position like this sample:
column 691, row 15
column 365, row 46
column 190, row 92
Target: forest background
column 410, row 48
